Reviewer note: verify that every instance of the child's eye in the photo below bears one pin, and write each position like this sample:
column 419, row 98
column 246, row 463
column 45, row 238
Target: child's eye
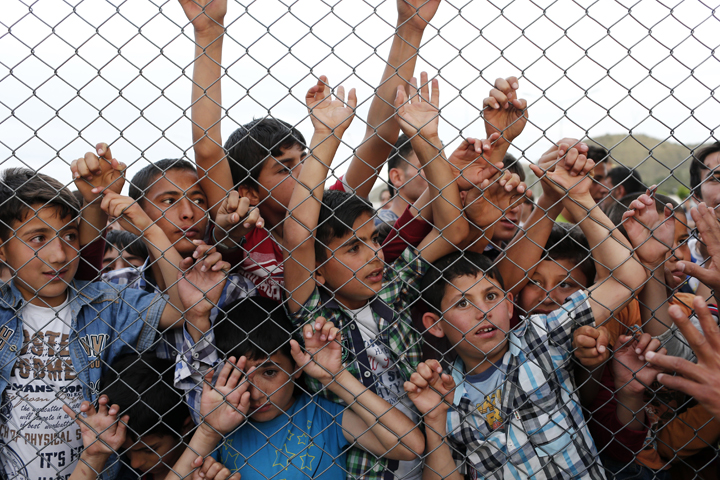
column 565, row 285
column 199, row 201
column 168, row 201
column 70, row 237
column 492, row 296
column 463, row 303
column 38, row 239
column 270, row 373
column 354, row 248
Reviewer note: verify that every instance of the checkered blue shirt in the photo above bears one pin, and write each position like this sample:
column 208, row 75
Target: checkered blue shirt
column 192, row 359
column 543, row 432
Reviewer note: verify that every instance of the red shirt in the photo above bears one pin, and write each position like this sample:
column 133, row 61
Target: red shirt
column 263, row 264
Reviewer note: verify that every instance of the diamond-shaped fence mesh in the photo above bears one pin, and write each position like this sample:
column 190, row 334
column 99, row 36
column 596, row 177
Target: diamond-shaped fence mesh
column 359, row 239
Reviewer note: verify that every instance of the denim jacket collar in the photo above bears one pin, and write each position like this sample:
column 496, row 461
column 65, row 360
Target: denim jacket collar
column 79, row 293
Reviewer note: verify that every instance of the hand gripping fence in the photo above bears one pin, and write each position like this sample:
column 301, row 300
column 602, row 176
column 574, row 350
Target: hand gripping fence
column 363, row 239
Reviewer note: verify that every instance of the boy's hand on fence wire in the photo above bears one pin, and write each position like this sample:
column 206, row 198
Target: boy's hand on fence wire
column 553, row 156
column 225, row 406
column 236, row 218
column 470, row 163
column 419, row 115
column 205, row 15
column 328, row 115
column 566, row 179
column 416, row 14
column 702, row 380
column 591, row 345
column 322, row 359
column 127, row 211
column 707, row 225
column 488, row 202
column 503, row 112
column 632, row 374
column 651, row 236
column 211, row 469
column 202, row 279
column 97, row 174
column 102, row 433
column 431, row 390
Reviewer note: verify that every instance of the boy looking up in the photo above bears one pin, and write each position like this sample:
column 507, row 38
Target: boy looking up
column 515, row 413
column 266, row 427
column 57, row 333
column 262, row 159
column 334, row 265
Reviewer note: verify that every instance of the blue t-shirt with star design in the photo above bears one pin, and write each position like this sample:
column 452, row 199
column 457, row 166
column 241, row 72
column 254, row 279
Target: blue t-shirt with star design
column 306, row 441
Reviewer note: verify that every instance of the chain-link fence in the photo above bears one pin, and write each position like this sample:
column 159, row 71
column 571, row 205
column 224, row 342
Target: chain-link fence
column 263, row 273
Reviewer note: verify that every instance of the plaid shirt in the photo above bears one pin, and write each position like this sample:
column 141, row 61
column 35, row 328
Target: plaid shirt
column 192, row 359
column 543, row 433
column 391, row 310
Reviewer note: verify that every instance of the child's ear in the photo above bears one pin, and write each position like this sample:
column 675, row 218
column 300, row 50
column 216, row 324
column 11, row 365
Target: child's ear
column 298, row 371
column 396, row 177
column 619, row 191
column 188, row 425
column 431, row 322
column 318, row 274
column 250, row 193
column 511, row 305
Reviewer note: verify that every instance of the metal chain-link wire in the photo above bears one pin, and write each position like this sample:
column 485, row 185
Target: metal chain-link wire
column 359, row 239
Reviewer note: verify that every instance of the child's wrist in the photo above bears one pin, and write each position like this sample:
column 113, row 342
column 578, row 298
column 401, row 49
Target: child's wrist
column 207, row 434
column 95, row 460
column 579, row 202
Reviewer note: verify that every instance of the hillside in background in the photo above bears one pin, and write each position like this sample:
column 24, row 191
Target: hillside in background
column 664, row 163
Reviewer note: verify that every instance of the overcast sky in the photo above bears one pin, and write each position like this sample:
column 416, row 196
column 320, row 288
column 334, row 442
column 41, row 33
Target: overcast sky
column 74, row 76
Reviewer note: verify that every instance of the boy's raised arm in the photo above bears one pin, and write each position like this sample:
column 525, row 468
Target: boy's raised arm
column 93, row 176
column 524, row 253
column 207, row 17
column 382, row 126
column 609, row 248
column 419, row 119
column 431, row 392
column 103, row 434
column 377, row 426
column 330, row 119
column 223, row 408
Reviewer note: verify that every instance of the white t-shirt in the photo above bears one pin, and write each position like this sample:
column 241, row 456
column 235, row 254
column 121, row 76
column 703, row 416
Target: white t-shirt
column 39, row 440
column 390, row 387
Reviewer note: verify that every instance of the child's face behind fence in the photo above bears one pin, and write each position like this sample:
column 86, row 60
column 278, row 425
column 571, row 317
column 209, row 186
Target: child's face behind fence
column 552, row 283
column 154, row 454
column 475, row 320
column 355, row 264
column 177, row 204
column 710, row 187
column 272, row 386
column 43, row 254
column 275, row 183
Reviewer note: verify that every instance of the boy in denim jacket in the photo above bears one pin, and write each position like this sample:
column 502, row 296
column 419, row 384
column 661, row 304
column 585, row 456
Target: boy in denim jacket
column 58, row 334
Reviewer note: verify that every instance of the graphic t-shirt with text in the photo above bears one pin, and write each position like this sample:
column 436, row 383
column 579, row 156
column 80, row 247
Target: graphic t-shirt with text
column 39, row 441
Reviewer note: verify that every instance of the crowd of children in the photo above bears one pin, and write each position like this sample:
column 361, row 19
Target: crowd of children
column 237, row 316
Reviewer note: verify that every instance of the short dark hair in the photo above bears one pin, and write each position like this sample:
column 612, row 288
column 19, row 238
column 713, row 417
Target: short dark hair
column 251, row 145
column 142, row 386
column 597, row 154
column 448, row 268
column 338, row 213
column 628, row 178
column 513, row 165
column 126, row 241
column 568, row 242
column 697, row 165
column 21, row 188
column 617, row 211
column 255, row 327
column 145, row 178
column 401, row 150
